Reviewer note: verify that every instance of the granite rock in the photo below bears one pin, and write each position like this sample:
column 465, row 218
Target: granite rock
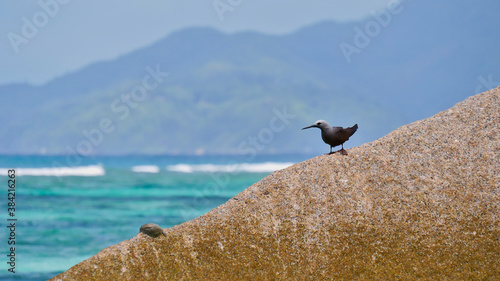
column 422, row 202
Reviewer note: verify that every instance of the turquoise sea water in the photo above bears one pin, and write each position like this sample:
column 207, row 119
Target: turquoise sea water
column 70, row 208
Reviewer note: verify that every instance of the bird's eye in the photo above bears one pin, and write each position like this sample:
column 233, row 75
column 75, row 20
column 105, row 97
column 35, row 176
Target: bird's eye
column 319, row 123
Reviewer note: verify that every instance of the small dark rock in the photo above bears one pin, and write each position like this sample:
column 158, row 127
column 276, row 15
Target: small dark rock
column 152, row 230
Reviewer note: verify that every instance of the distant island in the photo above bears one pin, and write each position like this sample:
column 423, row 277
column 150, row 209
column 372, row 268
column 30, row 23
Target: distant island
column 202, row 91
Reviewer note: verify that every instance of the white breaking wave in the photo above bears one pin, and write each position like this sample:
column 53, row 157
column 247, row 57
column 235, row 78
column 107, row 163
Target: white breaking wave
column 84, row 171
column 233, row 168
column 146, row 169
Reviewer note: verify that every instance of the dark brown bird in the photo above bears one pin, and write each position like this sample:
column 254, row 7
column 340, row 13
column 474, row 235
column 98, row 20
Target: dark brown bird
column 334, row 135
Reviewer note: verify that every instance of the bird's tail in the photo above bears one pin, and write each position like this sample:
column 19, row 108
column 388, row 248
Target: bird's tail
column 353, row 129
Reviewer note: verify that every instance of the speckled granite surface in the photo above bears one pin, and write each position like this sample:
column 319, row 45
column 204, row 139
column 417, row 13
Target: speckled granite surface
column 422, row 202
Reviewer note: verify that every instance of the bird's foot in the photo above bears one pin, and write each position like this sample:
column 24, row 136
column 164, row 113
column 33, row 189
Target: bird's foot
column 342, row 151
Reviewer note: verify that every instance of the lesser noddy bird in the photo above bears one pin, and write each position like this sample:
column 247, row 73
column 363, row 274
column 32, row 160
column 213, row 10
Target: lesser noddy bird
column 334, row 135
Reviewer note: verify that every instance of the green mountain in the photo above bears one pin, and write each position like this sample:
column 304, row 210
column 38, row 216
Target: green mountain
column 200, row 90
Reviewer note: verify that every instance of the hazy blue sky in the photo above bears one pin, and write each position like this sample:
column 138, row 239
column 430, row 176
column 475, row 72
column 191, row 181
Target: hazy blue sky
column 43, row 39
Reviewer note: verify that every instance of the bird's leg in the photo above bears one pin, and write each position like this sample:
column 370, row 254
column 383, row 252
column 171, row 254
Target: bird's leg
column 343, row 151
column 331, row 150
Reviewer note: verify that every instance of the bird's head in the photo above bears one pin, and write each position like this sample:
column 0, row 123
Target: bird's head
column 322, row 124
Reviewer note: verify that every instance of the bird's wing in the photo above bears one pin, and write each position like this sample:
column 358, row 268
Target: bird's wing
column 352, row 130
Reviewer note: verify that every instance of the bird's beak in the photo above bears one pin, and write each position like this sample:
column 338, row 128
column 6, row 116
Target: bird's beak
column 309, row 127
